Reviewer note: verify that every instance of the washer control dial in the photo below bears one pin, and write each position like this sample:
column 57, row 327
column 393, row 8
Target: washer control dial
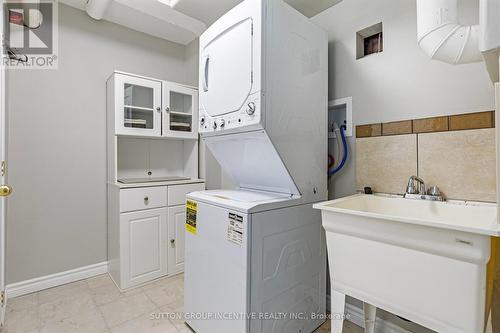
column 251, row 107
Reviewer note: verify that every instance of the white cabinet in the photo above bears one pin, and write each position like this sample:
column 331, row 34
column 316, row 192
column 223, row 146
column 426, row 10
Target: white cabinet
column 177, row 193
column 180, row 119
column 176, row 236
column 152, row 162
column 146, row 231
column 145, row 107
column 137, row 105
column 144, row 239
column 142, row 198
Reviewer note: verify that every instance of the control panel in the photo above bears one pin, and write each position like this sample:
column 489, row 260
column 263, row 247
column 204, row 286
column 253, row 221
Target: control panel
column 249, row 114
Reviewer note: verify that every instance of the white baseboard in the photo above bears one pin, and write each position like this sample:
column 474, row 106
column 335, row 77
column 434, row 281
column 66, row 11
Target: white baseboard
column 356, row 316
column 54, row 280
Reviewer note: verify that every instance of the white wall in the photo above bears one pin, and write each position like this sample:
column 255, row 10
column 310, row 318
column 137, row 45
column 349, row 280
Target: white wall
column 192, row 62
column 57, row 143
column 401, row 82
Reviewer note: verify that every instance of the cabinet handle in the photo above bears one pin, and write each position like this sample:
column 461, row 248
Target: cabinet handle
column 146, row 198
column 172, row 241
column 167, row 109
column 158, row 109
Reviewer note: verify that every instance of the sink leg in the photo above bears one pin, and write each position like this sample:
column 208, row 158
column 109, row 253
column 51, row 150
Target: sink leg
column 370, row 316
column 338, row 311
column 489, row 325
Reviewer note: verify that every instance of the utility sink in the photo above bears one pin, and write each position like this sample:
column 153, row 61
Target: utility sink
column 423, row 260
column 479, row 218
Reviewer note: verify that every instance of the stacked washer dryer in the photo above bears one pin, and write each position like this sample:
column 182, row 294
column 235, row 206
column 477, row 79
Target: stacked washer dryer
column 255, row 256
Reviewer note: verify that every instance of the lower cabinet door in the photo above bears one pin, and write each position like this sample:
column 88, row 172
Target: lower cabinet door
column 176, row 230
column 144, row 246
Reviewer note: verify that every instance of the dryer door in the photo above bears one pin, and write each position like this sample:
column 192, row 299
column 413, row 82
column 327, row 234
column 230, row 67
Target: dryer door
column 226, row 70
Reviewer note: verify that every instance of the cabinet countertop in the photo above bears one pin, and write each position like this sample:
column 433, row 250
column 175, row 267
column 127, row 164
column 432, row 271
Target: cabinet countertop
column 153, row 184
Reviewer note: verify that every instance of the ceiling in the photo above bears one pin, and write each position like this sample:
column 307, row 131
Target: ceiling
column 208, row 11
column 181, row 21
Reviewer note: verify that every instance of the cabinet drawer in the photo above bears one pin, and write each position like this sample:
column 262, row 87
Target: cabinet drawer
column 142, row 198
column 177, row 193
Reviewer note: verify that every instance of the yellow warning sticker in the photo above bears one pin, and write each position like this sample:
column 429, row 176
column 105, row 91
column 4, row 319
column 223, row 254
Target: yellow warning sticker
column 191, row 209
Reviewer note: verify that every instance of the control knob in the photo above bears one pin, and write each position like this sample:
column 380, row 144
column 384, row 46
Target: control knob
column 251, row 108
column 202, row 121
column 214, row 125
column 222, row 123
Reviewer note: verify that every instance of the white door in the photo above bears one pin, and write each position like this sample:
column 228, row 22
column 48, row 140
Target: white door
column 226, row 69
column 180, row 117
column 5, row 190
column 138, row 106
column 176, row 236
column 144, row 240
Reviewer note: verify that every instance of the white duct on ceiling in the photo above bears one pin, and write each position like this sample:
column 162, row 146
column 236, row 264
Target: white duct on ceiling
column 442, row 37
column 489, row 17
column 97, row 8
column 489, row 44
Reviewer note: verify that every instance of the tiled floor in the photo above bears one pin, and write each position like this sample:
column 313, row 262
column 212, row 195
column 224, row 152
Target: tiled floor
column 96, row 306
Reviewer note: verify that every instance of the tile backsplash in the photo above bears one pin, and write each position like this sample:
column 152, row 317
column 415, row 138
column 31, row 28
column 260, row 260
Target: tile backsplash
column 462, row 162
column 385, row 163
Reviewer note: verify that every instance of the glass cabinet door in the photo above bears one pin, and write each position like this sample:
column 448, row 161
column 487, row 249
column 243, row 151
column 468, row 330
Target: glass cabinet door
column 140, row 101
column 181, row 110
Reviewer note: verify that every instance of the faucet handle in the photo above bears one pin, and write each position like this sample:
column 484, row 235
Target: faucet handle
column 434, row 191
column 411, row 189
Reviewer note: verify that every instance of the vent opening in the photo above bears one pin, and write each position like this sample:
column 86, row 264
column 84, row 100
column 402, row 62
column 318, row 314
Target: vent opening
column 369, row 41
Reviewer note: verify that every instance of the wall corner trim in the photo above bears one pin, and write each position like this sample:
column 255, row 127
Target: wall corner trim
column 54, row 280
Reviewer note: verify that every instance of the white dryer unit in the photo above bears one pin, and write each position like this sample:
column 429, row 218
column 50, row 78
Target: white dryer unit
column 230, row 69
column 264, row 75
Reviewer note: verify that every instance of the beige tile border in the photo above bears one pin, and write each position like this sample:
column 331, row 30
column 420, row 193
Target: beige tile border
column 366, row 131
column 467, row 121
column 429, row 125
column 397, row 128
column 477, row 120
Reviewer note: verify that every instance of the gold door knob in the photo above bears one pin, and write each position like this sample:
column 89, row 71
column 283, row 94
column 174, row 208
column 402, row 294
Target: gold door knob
column 5, row 190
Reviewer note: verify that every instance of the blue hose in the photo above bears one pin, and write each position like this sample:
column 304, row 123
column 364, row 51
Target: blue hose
column 344, row 158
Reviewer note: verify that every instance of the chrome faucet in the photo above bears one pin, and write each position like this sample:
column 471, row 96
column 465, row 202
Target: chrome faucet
column 416, row 190
column 412, row 189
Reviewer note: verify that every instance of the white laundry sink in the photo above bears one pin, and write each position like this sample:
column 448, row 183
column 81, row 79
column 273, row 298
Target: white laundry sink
column 423, row 260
